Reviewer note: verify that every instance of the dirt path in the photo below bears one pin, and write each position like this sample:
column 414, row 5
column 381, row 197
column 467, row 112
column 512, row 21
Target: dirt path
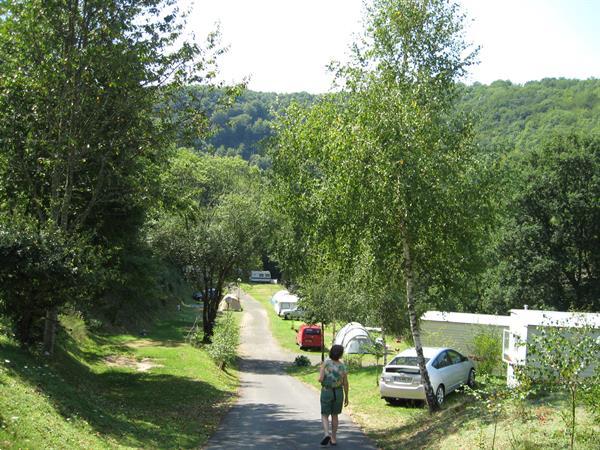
column 275, row 410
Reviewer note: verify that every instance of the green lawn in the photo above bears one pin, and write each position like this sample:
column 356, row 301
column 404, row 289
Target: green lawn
column 93, row 394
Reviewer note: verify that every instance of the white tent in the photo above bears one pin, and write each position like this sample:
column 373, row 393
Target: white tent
column 230, row 303
column 354, row 338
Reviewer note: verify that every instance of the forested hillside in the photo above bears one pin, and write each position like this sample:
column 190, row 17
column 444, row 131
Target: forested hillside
column 242, row 128
column 506, row 115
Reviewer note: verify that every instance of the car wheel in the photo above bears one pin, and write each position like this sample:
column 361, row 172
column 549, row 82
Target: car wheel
column 440, row 394
column 392, row 401
column 471, row 379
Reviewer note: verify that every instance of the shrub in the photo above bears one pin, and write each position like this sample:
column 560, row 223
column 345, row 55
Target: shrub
column 487, row 348
column 591, row 397
column 223, row 348
column 354, row 361
column 301, row 361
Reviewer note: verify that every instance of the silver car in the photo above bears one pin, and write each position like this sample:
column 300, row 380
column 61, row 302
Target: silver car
column 447, row 371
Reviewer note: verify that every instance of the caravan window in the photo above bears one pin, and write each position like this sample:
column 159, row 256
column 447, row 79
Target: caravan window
column 313, row 331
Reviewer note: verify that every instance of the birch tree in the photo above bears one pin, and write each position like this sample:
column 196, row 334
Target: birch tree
column 390, row 166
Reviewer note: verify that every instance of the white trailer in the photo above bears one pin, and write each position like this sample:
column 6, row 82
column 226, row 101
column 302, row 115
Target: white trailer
column 260, row 276
column 525, row 323
column 285, row 304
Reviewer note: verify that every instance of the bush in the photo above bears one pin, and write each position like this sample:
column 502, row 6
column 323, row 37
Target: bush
column 223, row 348
column 591, row 397
column 487, row 348
column 301, row 361
column 354, row 361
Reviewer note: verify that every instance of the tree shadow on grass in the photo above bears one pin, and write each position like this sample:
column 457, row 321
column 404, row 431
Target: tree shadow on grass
column 133, row 409
column 426, row 430
column 136, row 409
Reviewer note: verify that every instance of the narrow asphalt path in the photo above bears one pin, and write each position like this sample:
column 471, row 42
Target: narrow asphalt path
column 275, row 410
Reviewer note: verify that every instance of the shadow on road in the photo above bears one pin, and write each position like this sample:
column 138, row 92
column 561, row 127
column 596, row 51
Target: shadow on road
column 262, row 366
column 277, row 429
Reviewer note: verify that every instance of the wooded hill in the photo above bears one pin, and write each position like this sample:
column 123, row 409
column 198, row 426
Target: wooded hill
column 506, row 115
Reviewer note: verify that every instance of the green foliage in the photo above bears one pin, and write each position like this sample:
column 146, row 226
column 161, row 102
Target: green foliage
column 210, row 224
column 487, row 348
column 82, row 137
column 385, row 174
column 492, row 398
column 512, row 116
column 225, row 339
column 42, row 269
column 301, row 361
column 549, row 244
column 591, row 396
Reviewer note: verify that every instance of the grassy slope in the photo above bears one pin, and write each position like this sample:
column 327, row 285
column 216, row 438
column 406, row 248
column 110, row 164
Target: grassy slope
column 78, row 401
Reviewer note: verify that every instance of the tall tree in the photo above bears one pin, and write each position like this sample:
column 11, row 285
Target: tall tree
column 548, row 249
column 79, row 128
column 391, row 168
column 211, row 223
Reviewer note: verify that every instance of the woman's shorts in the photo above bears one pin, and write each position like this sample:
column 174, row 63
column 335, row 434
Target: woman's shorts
column 331, row 400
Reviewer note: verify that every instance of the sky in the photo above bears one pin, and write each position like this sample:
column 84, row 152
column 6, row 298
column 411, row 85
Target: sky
column 285, row 45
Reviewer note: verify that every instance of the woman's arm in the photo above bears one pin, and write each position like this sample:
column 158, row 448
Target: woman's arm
column 322, row 373
column 346, row 387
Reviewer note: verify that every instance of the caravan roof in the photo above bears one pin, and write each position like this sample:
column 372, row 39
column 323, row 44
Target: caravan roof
column 279, row 294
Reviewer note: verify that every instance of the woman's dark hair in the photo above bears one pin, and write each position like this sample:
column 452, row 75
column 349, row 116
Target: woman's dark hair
column 336, row 352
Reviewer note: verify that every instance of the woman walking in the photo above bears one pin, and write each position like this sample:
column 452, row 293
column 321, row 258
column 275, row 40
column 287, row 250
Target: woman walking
column 333, row 377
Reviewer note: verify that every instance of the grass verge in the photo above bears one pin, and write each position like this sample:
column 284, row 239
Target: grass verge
column 113, row 391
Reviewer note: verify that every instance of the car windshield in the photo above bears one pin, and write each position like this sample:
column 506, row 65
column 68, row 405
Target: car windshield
column 406, row 361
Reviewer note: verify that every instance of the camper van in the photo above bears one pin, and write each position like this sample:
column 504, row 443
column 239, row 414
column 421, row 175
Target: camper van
column 260, row 276
column 285, row 304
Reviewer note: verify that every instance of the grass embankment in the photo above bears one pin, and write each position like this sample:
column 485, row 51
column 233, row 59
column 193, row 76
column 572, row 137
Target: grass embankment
column 462, row 423
column 113, row 391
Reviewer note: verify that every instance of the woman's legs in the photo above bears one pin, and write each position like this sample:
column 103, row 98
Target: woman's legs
column 334, row 427
column 325, row 422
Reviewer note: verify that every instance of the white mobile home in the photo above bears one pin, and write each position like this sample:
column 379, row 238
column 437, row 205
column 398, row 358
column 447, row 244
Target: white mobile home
column 260, row 276
column 458, row 330
column 525, row 323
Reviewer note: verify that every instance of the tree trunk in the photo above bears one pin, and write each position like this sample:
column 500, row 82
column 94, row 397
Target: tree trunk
column 414, row 326
column 384, row 346
column 322, row 342
column 50, row 330
column 333, row 333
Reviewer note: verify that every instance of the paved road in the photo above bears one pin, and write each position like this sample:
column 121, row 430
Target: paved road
column 275, row 410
